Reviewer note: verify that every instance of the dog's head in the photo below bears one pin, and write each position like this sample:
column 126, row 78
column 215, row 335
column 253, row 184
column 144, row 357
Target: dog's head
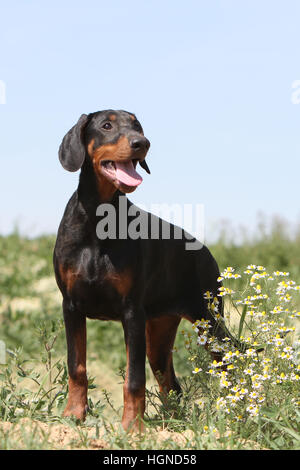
column 114, row 142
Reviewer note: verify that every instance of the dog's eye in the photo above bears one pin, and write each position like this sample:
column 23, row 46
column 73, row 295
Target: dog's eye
column 107, row 126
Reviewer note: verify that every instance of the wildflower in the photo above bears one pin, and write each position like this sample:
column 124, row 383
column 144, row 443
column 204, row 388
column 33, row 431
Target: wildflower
column 250, row 352
column 295, row 314
column 214, row 305
column 255, row 377
column 223, row 374
column 220, row 403
column 200, row 402
column 266, row 360
column 253, row 395
column 285, row 355
column 285, row 298
column 227, row 273
column 202, row 340
column 215, row 347
column 196, row 370
column 264, row 327
column 242, row 381
column 226, row 339
column 225, row 291
column 228, row 356
column 277, row 309
column 251, row 266
column 216, row 364
column 203, row 324
column 295, row 377
column 224, row 383
column 278, row 341
column 208, row 295
column 252, row 410
column 259, row 297
column 257, row 276
column 246, row 301
column 251, row 313
column 282, row 287
column 285, row 329
column 256, row 385
column 233, row 399
column 265, row 376
column 219, row 317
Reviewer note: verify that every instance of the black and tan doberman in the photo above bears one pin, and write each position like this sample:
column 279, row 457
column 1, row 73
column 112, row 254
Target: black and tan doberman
column 147, row 283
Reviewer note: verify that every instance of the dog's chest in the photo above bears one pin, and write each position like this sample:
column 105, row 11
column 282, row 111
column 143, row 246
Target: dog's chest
column 97, row 285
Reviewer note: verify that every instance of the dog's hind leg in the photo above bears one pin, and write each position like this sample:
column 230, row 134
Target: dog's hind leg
column 160, row 337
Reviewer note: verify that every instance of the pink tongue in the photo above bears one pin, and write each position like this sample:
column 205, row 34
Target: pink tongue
column 126, row 174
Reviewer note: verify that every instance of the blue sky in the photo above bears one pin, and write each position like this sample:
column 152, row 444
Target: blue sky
column 211, row 83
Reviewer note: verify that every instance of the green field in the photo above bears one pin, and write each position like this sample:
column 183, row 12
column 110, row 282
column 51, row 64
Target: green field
column 255, row 404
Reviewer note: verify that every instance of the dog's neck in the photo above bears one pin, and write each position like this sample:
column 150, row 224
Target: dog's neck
column 91, row 193
column 91, row 189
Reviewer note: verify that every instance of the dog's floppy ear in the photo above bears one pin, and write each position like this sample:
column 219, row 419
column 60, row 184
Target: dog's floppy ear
column 145, row 166
column 72, row 151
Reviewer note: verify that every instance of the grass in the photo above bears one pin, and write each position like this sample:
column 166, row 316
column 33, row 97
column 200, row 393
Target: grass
column 215, row 411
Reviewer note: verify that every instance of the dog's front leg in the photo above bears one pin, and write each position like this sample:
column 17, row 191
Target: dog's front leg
column 135, row 379
column 75, row 324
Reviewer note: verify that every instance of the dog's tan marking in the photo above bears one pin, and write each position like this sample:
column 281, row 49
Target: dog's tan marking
column 121, row 150
column 122, row 282
column 68, row 276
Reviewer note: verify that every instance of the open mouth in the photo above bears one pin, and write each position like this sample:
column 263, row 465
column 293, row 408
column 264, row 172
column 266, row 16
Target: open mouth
column 122, row 173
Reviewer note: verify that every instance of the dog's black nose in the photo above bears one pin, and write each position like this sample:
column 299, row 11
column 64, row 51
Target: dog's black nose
column 140, row 143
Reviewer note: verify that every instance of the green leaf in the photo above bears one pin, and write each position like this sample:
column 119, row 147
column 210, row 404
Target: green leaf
column 242, row 320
